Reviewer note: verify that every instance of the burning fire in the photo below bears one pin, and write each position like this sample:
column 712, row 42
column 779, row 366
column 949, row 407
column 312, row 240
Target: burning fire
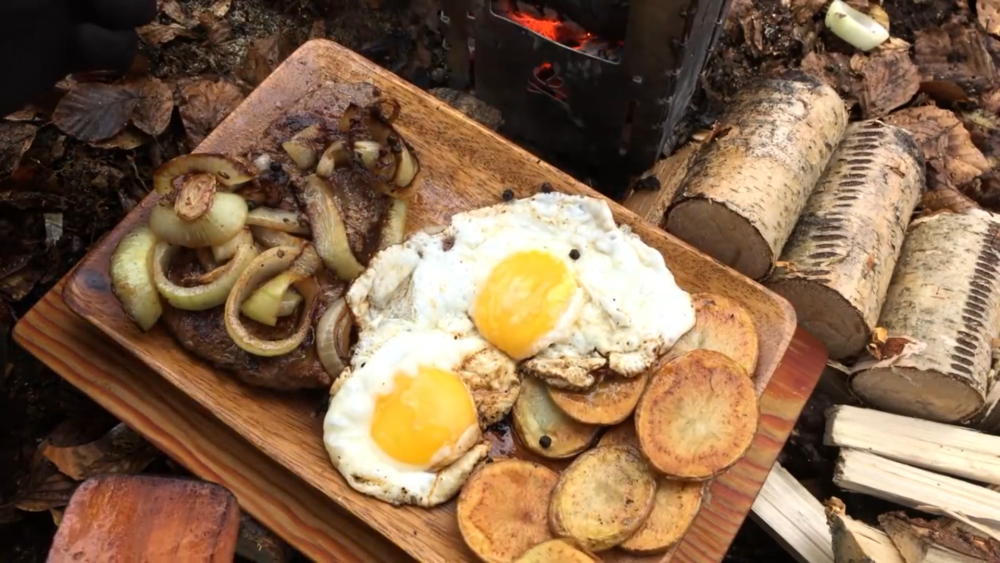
column 561, row 31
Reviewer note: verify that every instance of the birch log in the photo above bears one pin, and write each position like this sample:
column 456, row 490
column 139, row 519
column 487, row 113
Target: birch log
column 835, row 268
column 745, row 190
column 941, row 315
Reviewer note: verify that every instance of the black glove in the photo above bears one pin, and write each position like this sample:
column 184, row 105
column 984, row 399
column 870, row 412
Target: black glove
column 41, row 41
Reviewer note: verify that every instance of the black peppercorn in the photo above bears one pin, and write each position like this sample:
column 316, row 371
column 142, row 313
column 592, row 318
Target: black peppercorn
column 574, row 254
column 508, row 194
column 276, row 166
column 546, row 188
column 545, row 442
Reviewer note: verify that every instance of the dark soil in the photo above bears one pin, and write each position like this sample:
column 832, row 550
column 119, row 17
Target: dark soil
column 59, row 195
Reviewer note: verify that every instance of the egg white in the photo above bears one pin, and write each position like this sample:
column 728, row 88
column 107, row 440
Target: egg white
column 347, row 426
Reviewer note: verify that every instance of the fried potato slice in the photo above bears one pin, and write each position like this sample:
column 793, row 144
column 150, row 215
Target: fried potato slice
column 674, row 508
column 723, row 325
column 602, row 497
column 609, row 402
column 546, row 430
column 503, row 509
column 556, row 551
column 698, row 416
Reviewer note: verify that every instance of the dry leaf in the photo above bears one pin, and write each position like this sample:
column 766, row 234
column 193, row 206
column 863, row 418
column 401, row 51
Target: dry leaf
column 27, row 113
column 93, row 112
column 220, row 8
column 155, row 106
column 128, row 139
column 204, row 104
column 121, row 450
column 985, row 191
column 989, row 15
column 264, row 55
column 835, row 70
column 218, row 30
column 947, row 147
column 317, row 30
column 946, row 199
column 173, row 9
column 15, row 140
column 990, row 101
column 158, row 33
column 878, row 14
column 944, row 91
column 890, row 80
column 954, row 52
column 883, row 346
column 47, row 487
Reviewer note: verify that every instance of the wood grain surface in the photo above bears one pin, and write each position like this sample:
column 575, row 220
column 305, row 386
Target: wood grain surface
column 145, row 518
column 465, row 166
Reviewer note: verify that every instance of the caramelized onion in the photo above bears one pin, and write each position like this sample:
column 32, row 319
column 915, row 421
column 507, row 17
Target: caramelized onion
column 132, row 278
column 289, row 302
column 333, row 337
column 350, row 117
column 335, row 155
column 271, row 238
column 407, row 168
column 329, row 233
column 303, row 147
column 204, row 296
column 264, row 304
column 225, row 218
column 278, row 219
column 226, row 250
column 228, row 171
column 394, row 224
column 269, row 264
column 194, row 198
column 368, row 152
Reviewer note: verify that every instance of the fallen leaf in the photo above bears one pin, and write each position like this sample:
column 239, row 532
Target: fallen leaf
column 890, row 80
column 173, row 9
column 155, row 106
column 944, row 91
column 947, row 147
column 204, row 104
column 220, row 8
column 985, row 191
column 27, row 113
column 317, row 30
column 93, row 111
column 218, row 31
column 954, row 52
column 946, row 199
column 121, row 450
column 15, row 140
column 159, row 33
column 128, row 139
column 47, row 487
column 989, row 15
column 879, row 14
column 835, row 70
column 57, row 516
column 264, row 55
column 990, row 101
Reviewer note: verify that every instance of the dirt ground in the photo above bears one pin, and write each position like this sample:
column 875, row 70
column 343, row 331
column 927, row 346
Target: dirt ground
column 64, row 183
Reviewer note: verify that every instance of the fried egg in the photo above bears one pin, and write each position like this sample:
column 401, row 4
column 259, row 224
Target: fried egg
column 549, row 280
column 402, row 425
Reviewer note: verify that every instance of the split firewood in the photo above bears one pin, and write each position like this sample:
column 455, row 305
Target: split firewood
column 922, row 541
column 836, row 267
column 932, row 445
column 940, row 316
column 916, row 488
column 857, row 542
column 793, row 517
column 745, row 190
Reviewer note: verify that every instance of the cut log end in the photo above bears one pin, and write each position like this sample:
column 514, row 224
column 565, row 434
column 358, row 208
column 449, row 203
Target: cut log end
column 926, row 394
column 825, row 314
column 712, row 228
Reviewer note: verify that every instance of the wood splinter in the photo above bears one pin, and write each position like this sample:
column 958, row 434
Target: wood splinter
column 941, row 314
column 835, row 268
column 745, row 190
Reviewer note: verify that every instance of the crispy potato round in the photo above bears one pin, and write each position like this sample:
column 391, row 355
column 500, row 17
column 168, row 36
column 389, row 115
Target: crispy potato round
column 723, row 325
column 611, row 401
column 698, row 416
column 546, row 430
column 556, row 551
column 602, row 497
column 674, row 509
column 503, row 509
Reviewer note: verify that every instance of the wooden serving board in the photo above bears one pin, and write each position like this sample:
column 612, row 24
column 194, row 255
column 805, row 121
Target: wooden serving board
column 464, row 166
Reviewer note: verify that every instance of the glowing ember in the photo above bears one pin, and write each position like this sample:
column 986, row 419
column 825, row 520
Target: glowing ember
column 562, row 31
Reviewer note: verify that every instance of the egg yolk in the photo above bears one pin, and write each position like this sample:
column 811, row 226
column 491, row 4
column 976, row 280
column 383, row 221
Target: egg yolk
column 522, row 300
column 422, row 415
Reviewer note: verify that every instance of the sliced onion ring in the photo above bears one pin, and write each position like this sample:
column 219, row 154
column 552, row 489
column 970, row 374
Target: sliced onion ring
column 228, row 171
column 278, row 219
column 270, row 238
column 269, row 264
column 303, row 147
column 407, row 168
column 264, row 303
column 132, row 278
column 225, row 218
column 329, row 233
column 393, row 224
column 333, row 337
column 335, row 155
column 205, row 296
column 289, row 302
column 226, row 250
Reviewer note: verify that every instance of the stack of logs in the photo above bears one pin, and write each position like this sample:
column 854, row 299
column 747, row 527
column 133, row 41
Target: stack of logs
column 826, row 214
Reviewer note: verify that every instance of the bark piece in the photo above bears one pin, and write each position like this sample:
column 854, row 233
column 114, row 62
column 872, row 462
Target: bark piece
column 835, row 268
column 746, row 188
column 944, row 302
column 144, row 518
column 943, row 448
column 922, row 541
column 952, row 158
column 862, row 472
